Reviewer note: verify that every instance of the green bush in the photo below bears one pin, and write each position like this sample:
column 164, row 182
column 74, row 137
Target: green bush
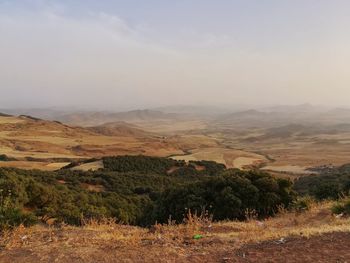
column 136, row 196
column 330, row 190
column 5, row 158
column 302, row 204
column 145, row 164
column 211, row 168
column 12, row 216
column 226, row 197
column 330, row 183
column 342, row 207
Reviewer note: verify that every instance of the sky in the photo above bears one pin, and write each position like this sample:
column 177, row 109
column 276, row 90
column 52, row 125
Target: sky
column 135, row 54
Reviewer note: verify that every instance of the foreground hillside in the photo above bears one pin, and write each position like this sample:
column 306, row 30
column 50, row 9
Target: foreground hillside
column 243, row 216
column 312, row 236
column 230, row 215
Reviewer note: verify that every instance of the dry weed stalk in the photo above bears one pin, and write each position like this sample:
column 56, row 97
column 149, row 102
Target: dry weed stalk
column 250, row 214
column 193, row 224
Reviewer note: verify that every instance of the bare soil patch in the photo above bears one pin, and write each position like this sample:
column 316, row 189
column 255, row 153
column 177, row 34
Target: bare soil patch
column 27, row 165
column 332, row 247
column 93, row 166
column 229, row 157
column 293, row 169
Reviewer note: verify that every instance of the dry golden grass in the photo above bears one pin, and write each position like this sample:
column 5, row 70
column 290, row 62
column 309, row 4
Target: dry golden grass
column 318, row 220
column 6, row 120
column 89, row 166
column 171, row 127
column 292, row 169
column 22, row 137
column 27, row 165
column 229, row 157
column 241, row 162
column 309, row 152
column 108, row 241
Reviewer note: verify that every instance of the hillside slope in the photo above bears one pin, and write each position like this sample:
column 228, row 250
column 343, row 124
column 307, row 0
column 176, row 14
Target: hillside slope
column 119, row 128
column 26, row 137
column 98, row 118
column 313, row 236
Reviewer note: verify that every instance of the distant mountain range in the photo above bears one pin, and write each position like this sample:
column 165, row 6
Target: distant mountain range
column 266, row 117
column 99, row 118
column 119, row 129
column 284, row 115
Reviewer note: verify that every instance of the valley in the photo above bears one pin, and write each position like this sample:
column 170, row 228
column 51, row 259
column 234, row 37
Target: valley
column 286, row 141
column 174, row 131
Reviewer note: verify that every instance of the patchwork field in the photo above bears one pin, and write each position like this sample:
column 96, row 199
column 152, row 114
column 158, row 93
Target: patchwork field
column 238, row 141
column 89, row 166
column 230, row 157
column 24, row 137
column 35, row 143
column 46, row 166
column 291, row 154
column 293, row 169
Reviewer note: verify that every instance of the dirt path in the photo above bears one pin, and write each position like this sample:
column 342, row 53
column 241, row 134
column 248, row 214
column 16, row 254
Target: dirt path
column 334, row 247
column 328, row 248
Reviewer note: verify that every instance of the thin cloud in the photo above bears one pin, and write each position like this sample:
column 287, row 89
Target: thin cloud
column 51, row 58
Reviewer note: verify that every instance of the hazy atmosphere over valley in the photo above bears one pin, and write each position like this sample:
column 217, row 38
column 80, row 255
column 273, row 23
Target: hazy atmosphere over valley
column 174, row 131
column 139, row 54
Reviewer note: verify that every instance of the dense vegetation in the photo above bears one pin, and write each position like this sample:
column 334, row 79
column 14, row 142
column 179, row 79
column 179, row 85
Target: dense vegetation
column 145, row 164
column 138, row 190
column 228, row 196
column 331, row 183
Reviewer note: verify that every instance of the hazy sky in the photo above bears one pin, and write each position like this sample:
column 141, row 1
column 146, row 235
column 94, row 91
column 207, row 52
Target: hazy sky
column 140, row 53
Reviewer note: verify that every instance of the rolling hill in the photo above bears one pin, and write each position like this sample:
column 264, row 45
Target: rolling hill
column 282, row 116
column 119, row 129
column 27, row 138
column 98, row 118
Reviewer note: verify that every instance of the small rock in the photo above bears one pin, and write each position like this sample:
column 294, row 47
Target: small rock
column 281, row 241
column 340, row 215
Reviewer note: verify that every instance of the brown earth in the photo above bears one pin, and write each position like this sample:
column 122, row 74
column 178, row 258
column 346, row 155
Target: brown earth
column 280, row 148
column 331, row 247
column 313, row 236
column 22, row 137
column 327, row 248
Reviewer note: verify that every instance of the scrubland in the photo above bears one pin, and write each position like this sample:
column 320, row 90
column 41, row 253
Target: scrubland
column 310, row 236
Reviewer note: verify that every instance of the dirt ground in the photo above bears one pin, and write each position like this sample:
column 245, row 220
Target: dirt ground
column 327, row 248
column 332, row 247
column 313, row 236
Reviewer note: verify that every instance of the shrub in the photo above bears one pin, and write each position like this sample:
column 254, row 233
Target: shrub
column 330, row 190
column 5, row 158
column 11, row 216
column 342, row 207
column 140, row 193
column 226, row 197
column 139, row 163
column 330, row 183
column 211, row 168
column 302, row 204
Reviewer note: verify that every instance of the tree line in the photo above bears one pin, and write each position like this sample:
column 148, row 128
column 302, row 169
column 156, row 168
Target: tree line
column 140, row 190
